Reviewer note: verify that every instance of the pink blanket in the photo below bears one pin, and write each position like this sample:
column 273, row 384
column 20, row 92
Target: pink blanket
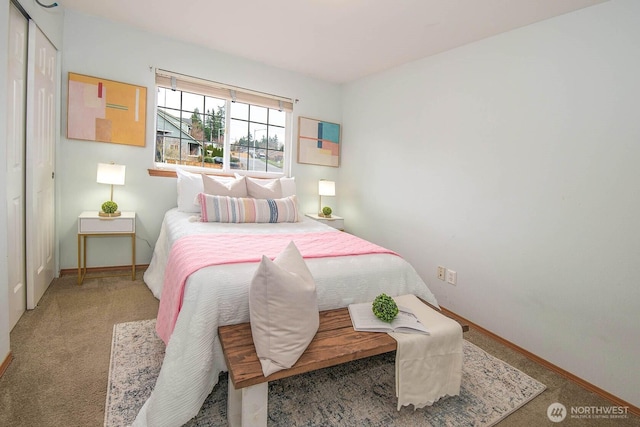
column 192, row 253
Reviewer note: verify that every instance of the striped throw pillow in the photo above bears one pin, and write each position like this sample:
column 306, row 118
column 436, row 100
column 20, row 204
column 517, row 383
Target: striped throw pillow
column 246, row 209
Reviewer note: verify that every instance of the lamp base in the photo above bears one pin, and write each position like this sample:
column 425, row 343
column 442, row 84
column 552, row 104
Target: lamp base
column 109, row 215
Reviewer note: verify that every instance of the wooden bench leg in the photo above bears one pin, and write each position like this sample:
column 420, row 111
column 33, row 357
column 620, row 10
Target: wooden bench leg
column 247, row 407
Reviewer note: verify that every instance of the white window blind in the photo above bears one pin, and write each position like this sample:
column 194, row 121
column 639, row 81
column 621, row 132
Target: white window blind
column 171, row 80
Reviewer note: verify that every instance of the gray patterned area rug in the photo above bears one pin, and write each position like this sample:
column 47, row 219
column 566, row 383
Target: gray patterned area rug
column 354, row 394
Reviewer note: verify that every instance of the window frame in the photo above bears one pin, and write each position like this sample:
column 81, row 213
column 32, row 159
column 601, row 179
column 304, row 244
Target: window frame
column 230, row 94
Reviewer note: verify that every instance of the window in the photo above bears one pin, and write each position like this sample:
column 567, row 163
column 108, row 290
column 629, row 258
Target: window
column 211, row 125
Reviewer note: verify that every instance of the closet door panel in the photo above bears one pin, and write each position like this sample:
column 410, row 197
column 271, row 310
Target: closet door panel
column 15, row 159
column 42, row 89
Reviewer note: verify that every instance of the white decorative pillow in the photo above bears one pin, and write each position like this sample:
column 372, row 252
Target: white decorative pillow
column 223, row 186
column 189, row 186
column 287, row 184
column 247, row 209
column 264, row 188
column 283, row 309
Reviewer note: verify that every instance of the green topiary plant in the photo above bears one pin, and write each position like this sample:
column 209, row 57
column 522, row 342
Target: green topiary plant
column 385, row 308
column 109, row 207
column 326, row 211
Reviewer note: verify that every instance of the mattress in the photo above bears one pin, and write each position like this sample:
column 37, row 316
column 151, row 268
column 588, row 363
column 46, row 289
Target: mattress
column 218, row 295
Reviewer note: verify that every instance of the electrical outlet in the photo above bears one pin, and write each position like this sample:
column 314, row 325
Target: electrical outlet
column 441, row 272
column 452, row 277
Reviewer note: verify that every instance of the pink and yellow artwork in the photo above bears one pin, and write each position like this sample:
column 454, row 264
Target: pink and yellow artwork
column 318, row 142
column 105, row 110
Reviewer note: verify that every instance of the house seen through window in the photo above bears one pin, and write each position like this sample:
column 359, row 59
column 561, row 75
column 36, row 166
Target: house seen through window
column 200, row 123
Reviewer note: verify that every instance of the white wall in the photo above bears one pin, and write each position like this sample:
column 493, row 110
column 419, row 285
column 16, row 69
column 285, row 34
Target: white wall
column 514, row 161
column 50, row 22
column 112, row 51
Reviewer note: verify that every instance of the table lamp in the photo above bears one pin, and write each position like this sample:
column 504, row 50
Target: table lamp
column 109, row 173
column 325, row 188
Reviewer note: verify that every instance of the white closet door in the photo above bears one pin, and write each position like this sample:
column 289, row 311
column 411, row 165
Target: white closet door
column 42, row 88
column 16, row 117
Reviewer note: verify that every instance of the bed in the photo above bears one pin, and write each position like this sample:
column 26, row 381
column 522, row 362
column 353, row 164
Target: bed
column 218, row 295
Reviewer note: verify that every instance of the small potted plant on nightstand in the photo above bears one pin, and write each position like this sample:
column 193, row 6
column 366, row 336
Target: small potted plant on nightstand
column 326, row 212
column 109, row 209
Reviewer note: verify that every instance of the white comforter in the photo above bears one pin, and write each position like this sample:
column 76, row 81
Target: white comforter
column 218, row 295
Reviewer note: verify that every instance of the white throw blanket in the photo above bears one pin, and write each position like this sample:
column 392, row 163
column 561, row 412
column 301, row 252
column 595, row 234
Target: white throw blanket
column 428, row 367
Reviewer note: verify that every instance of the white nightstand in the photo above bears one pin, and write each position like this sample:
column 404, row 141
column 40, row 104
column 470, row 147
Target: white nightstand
column 91, row 224
column 334, row 221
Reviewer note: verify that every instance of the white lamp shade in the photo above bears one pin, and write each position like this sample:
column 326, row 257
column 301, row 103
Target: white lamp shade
column 326, row 188
column 110, row 174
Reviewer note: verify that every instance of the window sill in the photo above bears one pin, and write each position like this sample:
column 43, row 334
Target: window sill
column 167, row 173
column 171, row 173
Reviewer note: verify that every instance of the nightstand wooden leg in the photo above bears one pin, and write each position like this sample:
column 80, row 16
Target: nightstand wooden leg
column 79, row 263
column 82, row 258
column 133, row 257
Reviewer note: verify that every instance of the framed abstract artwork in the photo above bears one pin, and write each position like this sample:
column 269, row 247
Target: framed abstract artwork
column 106, row 111
column 318, row 142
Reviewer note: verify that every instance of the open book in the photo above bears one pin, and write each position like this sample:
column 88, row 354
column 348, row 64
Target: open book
column 364, row 320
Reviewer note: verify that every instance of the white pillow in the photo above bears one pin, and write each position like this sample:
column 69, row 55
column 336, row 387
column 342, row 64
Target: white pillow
column 222, row 186
column 283, row 309
column 189, row 186
column 288, row 184
column 264, row 188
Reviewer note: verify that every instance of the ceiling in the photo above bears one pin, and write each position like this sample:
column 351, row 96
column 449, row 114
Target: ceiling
column 334, row 40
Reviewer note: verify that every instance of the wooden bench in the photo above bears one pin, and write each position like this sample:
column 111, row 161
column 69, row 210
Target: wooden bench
column 336, row 342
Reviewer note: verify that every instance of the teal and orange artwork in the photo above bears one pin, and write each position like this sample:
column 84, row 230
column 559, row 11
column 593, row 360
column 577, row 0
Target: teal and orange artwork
column 318, row 142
